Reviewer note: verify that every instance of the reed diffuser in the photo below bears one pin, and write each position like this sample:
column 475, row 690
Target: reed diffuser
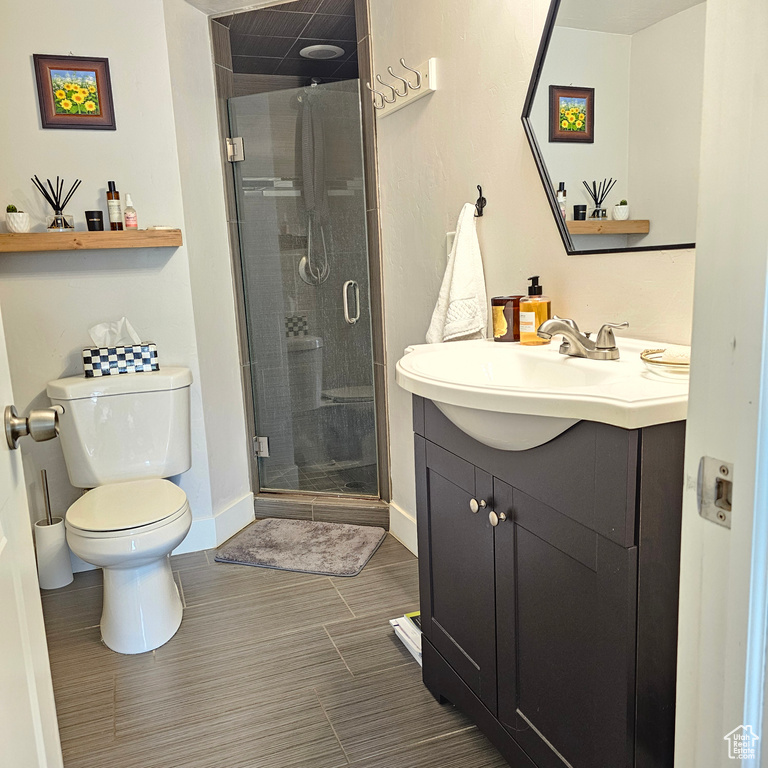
column 58, row 201
column 598, row 193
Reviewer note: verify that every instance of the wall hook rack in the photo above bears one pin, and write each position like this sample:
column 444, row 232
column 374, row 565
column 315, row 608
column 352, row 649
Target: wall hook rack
column 404, row 91
column 481, row 203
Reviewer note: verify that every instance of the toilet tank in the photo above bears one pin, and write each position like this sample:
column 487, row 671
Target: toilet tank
column 124, row 427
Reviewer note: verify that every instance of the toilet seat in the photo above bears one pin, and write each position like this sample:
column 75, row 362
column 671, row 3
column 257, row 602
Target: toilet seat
column 123, row 509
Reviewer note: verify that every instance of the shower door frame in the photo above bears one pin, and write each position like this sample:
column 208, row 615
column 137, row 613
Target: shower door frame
column 225, row 89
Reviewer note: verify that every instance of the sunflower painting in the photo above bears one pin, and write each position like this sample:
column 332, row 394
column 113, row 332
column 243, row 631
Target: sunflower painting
column 571, row 113
column 74, row 92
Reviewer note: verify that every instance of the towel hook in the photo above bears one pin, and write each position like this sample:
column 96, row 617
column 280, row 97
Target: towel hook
column 481, row 203
column 416, row 72
column 375, row 94
column 401, row 79
column 387, row 85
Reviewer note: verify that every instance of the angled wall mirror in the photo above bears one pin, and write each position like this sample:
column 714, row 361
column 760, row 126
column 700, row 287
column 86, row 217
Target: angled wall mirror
column 616, row 95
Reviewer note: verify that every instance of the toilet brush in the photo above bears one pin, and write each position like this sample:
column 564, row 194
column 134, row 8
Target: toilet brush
column 54, row 568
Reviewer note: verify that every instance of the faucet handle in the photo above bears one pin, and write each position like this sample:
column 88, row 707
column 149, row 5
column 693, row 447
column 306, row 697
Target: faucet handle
column 605, row 337
column 567, row 321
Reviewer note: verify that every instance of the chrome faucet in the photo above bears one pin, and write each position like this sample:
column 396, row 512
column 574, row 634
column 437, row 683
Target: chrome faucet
column 578, row 344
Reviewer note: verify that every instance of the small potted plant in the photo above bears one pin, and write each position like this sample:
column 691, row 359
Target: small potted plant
column 17, row 221
column 621, row 211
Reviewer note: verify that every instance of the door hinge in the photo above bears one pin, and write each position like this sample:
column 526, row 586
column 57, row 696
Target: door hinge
column 715, row 490
column 261, row 447
column 235, row 150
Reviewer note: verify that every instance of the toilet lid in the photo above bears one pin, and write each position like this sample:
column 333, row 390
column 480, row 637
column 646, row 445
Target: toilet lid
column 119, row 506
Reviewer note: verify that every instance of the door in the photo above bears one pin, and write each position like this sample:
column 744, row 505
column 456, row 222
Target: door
column 458, row 615
column 566, row 636
column 29, row 735
column 303, row 241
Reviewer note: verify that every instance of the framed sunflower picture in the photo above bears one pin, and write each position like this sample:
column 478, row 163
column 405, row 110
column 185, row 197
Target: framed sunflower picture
column 571, row 114
column 74, row 92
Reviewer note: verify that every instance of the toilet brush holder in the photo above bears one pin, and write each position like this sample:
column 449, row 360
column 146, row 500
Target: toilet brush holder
column 54, row 568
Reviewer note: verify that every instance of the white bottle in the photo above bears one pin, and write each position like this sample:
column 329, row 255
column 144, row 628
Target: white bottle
column 560, row 199
column 131, row 219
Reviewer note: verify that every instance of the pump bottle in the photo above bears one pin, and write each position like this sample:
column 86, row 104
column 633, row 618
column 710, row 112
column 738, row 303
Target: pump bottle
column 534, row 310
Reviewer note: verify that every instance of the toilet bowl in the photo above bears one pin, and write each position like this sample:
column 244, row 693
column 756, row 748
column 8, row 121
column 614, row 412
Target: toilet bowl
column 129, row 530
column 120, row 435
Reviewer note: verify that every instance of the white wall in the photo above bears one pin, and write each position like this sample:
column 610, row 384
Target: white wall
column 666, row 79
column 210, row 264
column 50, row 299
column 431, row 156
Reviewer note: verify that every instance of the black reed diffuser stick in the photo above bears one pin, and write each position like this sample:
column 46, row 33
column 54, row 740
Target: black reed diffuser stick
column 598, row 193
column 56, row 201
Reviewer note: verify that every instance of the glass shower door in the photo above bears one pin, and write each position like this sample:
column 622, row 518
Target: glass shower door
column 302, row 222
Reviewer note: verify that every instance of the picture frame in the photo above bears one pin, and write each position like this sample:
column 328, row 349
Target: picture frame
column 74, row 92
column 571, row 114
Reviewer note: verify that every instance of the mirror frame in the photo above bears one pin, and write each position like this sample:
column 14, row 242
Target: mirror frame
column 541, row 166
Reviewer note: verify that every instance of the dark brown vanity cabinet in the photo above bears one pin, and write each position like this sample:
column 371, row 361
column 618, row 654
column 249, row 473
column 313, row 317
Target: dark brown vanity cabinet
column 556, row 628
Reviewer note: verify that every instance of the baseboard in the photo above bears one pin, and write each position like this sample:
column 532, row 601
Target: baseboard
column 402, row 525
column 209, row 532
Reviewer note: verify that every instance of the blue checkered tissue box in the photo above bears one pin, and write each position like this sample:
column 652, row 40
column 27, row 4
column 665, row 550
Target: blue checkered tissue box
column 109, row 361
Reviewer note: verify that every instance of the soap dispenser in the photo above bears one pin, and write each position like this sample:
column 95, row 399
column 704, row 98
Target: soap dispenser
column 535, row 309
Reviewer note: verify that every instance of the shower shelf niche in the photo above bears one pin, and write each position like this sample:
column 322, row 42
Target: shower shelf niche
column 87, row 241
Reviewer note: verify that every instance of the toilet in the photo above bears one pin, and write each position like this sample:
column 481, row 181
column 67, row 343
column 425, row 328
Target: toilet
column 121, row 436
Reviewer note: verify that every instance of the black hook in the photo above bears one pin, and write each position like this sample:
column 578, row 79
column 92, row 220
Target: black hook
column 481, row 202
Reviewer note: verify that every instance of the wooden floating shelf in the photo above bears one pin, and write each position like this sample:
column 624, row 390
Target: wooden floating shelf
column 89, row 241
column 609, row 227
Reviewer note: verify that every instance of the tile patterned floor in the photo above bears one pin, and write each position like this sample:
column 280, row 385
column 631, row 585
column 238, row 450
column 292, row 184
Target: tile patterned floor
column 269, row 670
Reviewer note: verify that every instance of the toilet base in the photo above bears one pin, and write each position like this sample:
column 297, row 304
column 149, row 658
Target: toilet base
column 142, row 607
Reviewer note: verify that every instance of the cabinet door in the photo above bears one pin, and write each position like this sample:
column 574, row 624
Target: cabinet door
column 566, row 610
column 458, row 613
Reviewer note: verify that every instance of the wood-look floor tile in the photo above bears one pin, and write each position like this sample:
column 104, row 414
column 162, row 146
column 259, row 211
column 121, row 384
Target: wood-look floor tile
column 368, row 645
column 82, row 656
column 390, row 589
column 358, row 708
column 249, row 729
column 257, row 615
column 82, row 580
column 190, row 560
column 466, row 749
column 85, row 709
column 390, row 552
column 226, row 580
column 67, row 611
column 291, row 661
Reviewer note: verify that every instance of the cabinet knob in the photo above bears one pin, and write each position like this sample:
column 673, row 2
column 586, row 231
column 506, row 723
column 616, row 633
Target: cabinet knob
column 476, row 505
column 496, row 519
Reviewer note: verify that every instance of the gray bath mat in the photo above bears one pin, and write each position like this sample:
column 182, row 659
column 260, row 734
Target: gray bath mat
column 327, row 549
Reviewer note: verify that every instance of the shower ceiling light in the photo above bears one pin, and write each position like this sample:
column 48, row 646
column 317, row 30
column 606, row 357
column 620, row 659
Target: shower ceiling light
column 321, row 52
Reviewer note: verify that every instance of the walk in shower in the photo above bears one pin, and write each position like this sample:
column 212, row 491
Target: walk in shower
column 302, row 222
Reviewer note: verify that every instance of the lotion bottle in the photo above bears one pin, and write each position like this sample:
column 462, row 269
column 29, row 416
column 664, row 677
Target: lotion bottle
column 114, row 208
column 561, row 199
column 534, row 310
column 131, row 219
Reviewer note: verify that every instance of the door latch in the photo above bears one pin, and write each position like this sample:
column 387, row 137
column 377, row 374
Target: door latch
column 715, row 490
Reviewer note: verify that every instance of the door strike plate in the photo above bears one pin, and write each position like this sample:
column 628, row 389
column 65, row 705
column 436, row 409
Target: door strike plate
column 715, row 490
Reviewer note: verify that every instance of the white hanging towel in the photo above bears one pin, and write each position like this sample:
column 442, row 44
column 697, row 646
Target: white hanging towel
column 461, row 311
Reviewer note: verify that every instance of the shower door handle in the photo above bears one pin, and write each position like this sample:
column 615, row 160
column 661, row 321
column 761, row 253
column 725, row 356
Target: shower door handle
column 351, row 319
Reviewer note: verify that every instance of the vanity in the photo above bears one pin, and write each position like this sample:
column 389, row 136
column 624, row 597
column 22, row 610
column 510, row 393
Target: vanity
column 549, row 573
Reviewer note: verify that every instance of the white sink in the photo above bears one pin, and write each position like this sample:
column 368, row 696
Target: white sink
column 514, row 398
